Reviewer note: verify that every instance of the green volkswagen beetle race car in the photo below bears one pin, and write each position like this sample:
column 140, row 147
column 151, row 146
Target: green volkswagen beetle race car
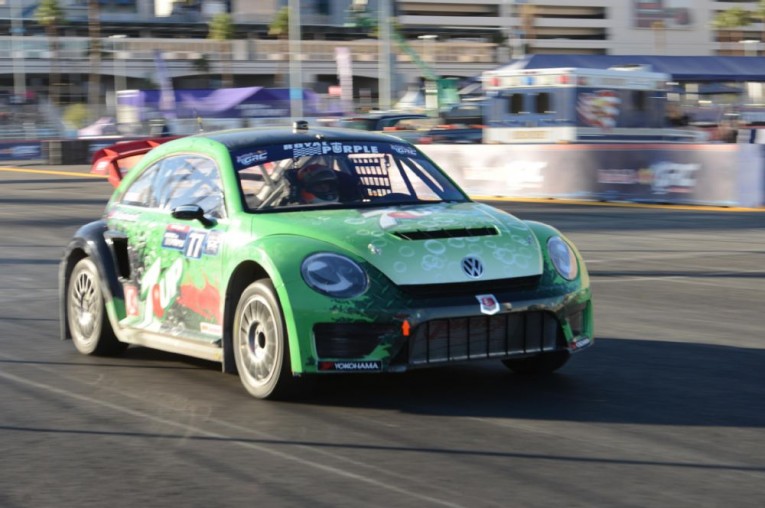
column 287, row 253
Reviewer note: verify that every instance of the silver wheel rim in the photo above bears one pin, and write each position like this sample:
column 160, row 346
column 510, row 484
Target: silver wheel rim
column 84, row 306
column 258, row 341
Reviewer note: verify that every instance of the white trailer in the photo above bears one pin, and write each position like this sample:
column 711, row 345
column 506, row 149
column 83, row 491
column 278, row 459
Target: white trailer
column 577, row 105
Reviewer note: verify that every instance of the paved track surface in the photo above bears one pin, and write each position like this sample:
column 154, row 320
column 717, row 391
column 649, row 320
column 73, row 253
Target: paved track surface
column 666, row 410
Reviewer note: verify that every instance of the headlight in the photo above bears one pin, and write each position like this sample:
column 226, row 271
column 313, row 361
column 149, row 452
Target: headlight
column 334, row 275
column 563, row 258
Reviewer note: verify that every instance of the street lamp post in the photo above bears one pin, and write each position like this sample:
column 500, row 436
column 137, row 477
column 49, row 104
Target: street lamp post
column 296, row 74
column 431, row 87
column 120, row 76
column 514, row 27
column 384, row 57
column 17, row 29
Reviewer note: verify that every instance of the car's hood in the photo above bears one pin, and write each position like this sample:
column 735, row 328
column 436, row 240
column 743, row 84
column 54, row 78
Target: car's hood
column 440, row 243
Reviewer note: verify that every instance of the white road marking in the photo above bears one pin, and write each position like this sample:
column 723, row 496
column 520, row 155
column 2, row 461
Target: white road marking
column 201, row 432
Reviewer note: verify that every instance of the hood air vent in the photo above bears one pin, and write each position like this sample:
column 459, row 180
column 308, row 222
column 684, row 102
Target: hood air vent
column 446, row 233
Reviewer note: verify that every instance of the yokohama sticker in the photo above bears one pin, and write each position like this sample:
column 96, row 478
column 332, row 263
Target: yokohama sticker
column 351, row 366
column 580, row 343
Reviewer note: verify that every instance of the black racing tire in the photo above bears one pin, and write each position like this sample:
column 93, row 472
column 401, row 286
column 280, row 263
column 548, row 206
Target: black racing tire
column 541, row 364
column 89, row 325
column 261, row 348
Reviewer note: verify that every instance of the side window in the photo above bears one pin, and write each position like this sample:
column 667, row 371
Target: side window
column 544, row 103
column 639, row 100
column 515, row 103
column 263, row 185
column 140, row 191
column 190, row 180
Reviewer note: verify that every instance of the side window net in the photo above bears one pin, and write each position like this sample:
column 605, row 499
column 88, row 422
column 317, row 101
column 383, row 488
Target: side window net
column 190, row 180
column 373, row 175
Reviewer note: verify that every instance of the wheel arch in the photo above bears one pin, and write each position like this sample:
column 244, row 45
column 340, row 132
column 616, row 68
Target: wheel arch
column 88, row 241
column 278, row 258
column 243, row 275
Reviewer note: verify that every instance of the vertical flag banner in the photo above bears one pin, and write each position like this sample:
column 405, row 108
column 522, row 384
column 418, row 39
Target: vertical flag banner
column 167, row 94
column 345, row 75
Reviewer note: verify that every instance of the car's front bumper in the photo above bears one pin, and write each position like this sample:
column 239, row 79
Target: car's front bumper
column 448, row 330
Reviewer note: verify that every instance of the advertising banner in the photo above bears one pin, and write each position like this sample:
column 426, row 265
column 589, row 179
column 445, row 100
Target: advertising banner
column 241, row 102
column 20, row 150
column 710, row 174
column 663, row 14
column 345, row 75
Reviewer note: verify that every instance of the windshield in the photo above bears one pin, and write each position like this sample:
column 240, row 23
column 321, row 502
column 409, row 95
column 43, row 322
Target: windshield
column 335, row 174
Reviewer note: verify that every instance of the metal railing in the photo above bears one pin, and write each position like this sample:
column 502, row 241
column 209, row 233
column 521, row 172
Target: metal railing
column 365, row 50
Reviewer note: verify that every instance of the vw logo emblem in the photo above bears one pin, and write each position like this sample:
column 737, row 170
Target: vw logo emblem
column 472, row 266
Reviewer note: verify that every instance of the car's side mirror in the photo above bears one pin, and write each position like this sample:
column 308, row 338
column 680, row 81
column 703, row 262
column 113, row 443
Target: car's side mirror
column 192, row 212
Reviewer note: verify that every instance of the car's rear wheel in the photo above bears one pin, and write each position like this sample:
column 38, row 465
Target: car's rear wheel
column 89, row 325
column 260, row 341
column 544, row 363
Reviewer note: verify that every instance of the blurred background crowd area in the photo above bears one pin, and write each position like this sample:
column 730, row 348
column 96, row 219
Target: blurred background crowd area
column 72, row 68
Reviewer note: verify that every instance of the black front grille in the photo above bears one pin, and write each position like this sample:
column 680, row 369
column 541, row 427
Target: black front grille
column 350, row 340
column 481, row 337
column 471, row 288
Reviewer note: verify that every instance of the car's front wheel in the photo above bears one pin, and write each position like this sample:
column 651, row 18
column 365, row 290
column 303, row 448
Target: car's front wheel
column 260, row 344
column 89, row 325
column 544, row 363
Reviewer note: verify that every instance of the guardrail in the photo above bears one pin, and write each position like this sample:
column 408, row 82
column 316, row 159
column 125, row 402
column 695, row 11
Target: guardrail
column 721, row 174
column 730, row 175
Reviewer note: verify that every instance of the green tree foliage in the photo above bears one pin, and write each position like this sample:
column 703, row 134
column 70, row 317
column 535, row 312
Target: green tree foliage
column 734, row 17
column 50, row 15
column 732, row 21
column 221, row 29
column 94, row 82
column 280, row 28
column 280, row 25
column 76, row 115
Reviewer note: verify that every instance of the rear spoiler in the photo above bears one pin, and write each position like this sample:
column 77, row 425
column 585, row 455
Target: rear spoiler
column 116, row 160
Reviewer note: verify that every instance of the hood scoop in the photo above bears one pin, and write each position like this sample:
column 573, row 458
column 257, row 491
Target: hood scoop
column 446, row 233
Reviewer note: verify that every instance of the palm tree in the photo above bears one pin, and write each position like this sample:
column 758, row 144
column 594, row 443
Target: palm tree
column 94, row 31
column 735, row 17
column 280, row 25
column 280, row 28
column 221, row 29
column 50, row 15
column 759, row 14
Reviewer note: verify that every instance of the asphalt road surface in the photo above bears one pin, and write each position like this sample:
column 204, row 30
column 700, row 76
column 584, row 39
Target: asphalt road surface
column 666, row 410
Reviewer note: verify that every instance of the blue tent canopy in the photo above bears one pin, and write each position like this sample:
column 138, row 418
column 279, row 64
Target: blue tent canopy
column 681, row 68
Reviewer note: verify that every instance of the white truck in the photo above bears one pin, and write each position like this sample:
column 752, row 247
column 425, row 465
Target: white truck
column 577, row 105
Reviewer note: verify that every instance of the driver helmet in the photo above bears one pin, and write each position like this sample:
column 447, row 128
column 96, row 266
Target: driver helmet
column 317, row 183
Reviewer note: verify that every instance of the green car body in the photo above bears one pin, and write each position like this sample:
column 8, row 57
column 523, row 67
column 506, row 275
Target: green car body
column 374, row 284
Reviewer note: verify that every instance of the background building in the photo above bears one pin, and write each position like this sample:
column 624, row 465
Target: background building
column 438, row 38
